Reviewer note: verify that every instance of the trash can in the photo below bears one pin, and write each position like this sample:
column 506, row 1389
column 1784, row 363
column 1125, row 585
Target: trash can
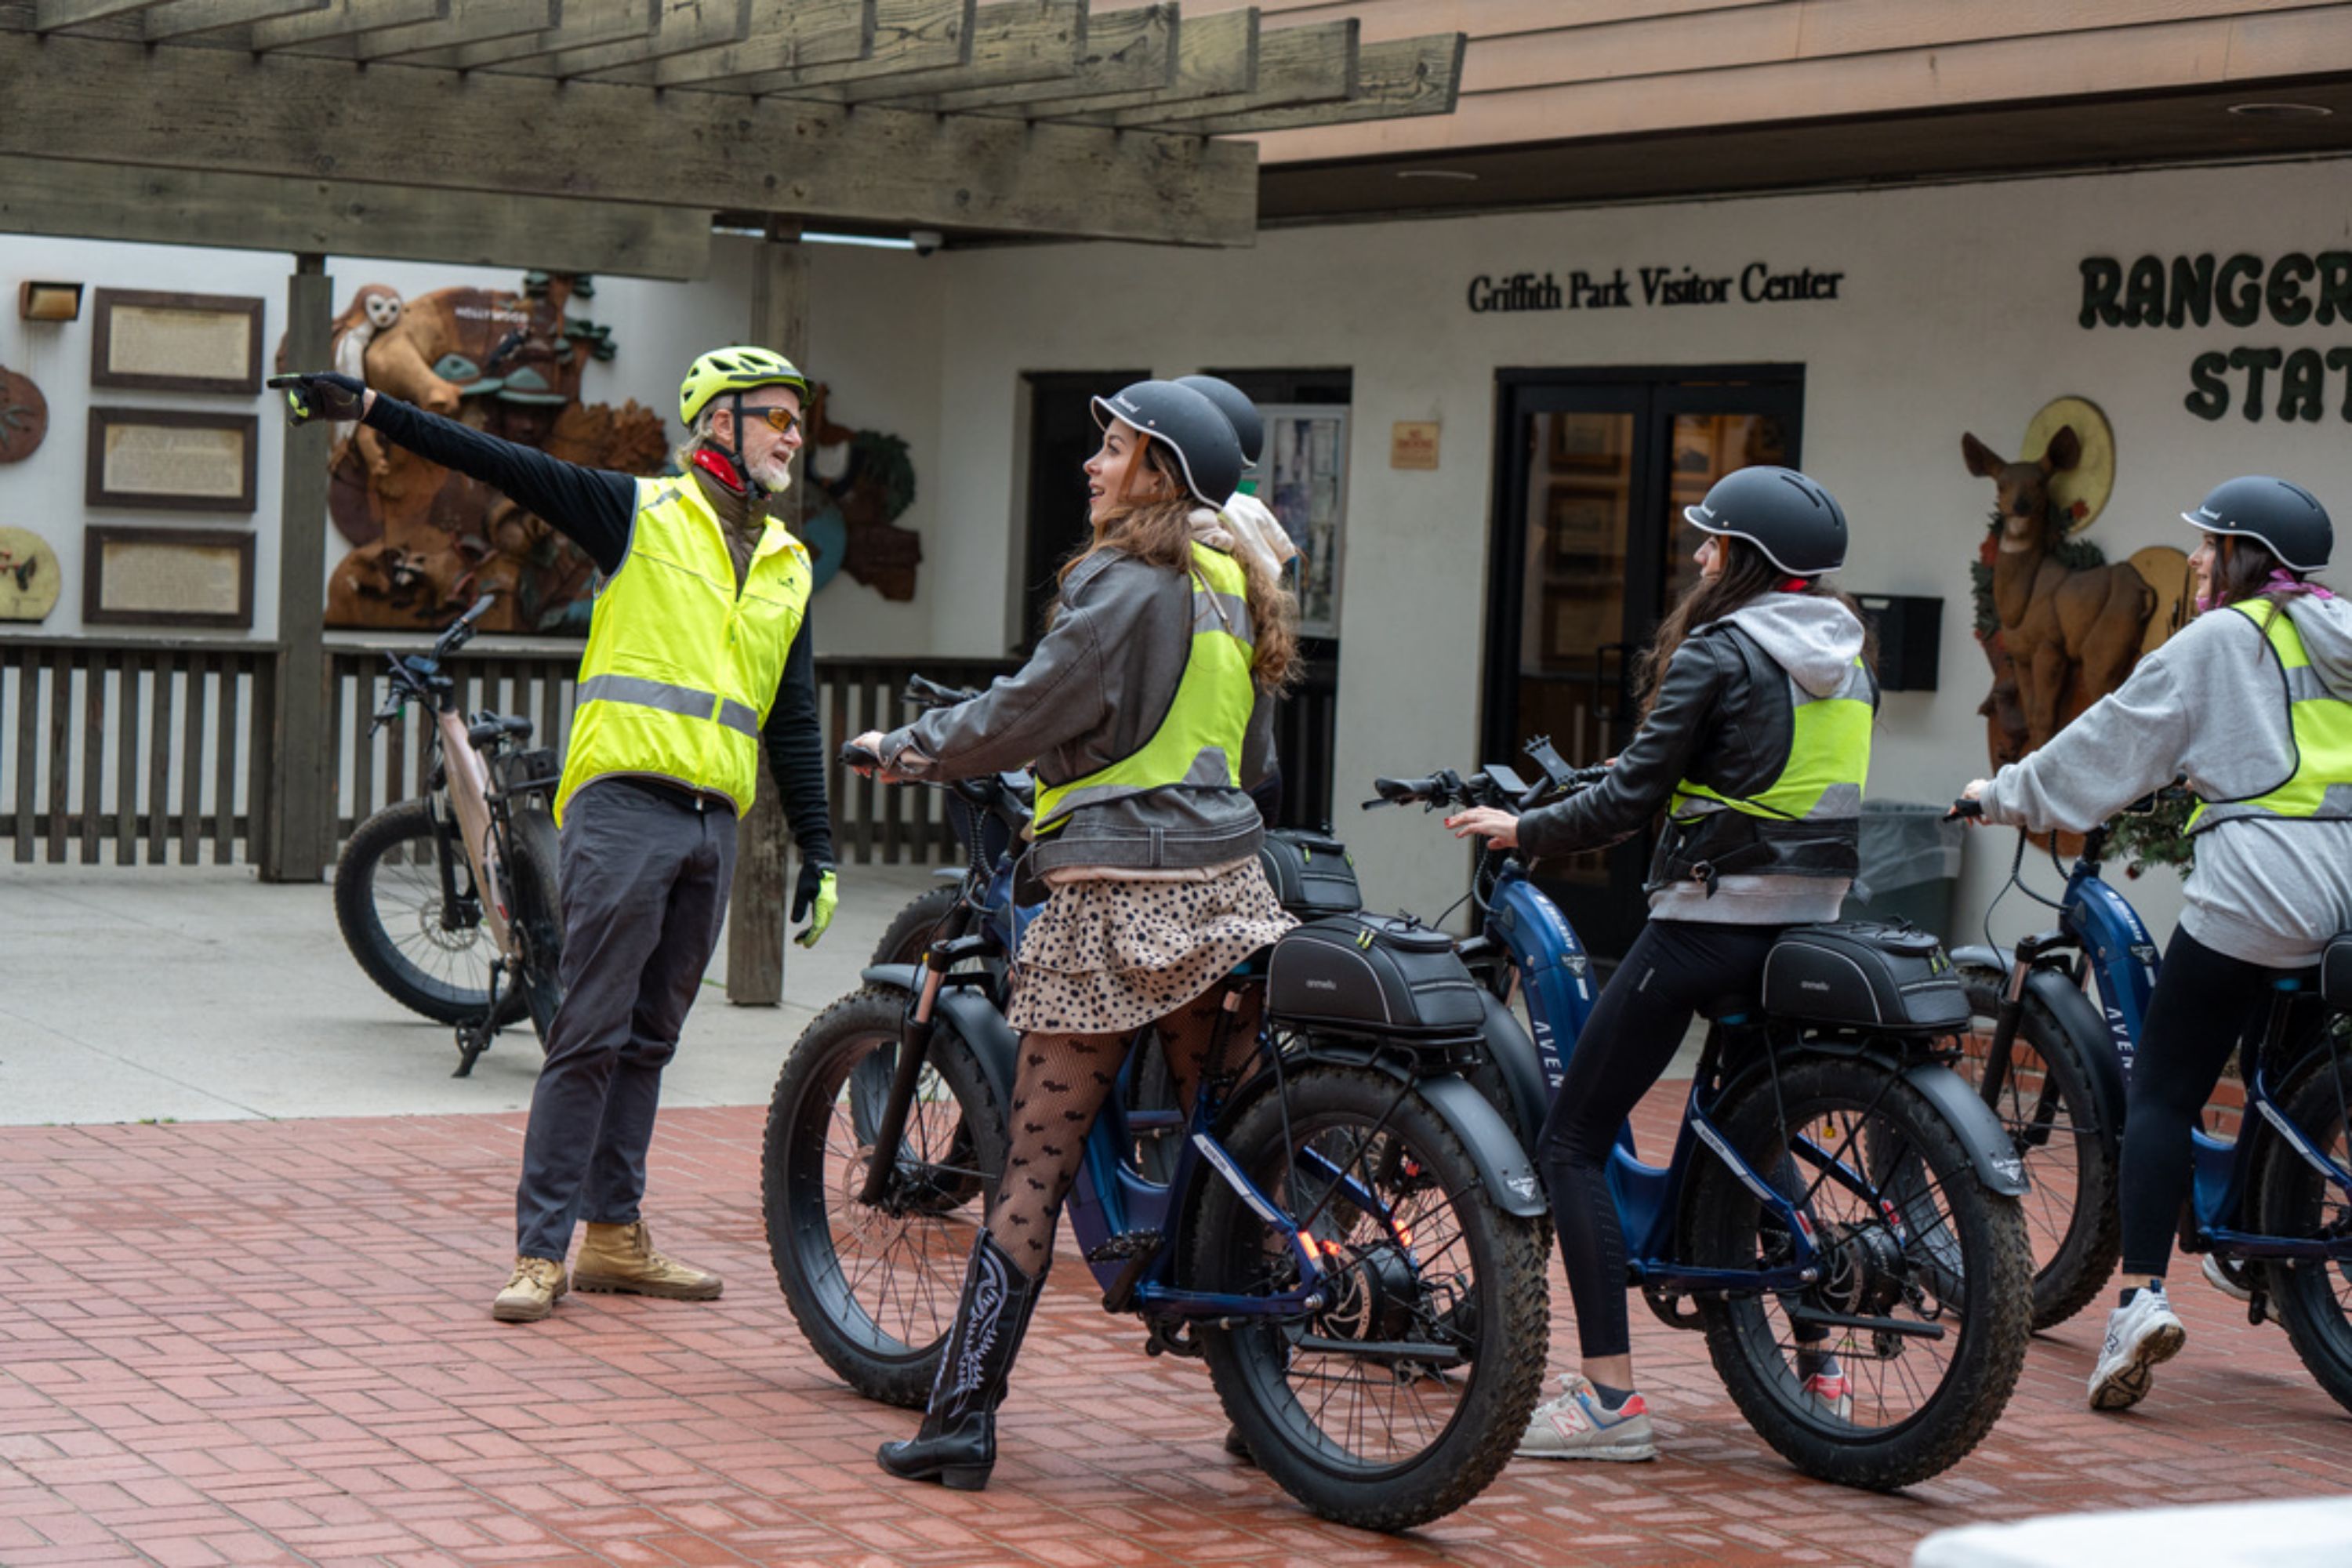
column 1910, row 866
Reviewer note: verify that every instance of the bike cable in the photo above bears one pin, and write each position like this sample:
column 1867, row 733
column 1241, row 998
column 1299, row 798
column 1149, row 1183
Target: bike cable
column 2017, row 880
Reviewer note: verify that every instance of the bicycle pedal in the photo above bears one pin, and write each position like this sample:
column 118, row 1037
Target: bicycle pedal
column 1127, row 1246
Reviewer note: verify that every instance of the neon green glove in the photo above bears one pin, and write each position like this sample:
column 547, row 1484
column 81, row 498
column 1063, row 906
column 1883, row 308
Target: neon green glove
column 814, row 899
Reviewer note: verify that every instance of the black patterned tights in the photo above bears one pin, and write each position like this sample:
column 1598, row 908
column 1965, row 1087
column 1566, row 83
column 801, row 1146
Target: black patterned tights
column 1063, row 1082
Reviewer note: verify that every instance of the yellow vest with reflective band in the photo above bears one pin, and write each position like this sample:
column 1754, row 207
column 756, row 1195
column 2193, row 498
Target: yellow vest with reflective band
column 1199, row 742
column 1829, row 759
column 2320, row 788
column 681, row 667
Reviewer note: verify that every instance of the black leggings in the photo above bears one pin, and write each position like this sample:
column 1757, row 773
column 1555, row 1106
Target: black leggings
column 2204, row 1002
column 1673, row 969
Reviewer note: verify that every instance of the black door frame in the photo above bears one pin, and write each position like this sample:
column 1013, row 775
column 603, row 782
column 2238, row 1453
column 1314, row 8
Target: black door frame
column 1040, row 555
column 1653, row 394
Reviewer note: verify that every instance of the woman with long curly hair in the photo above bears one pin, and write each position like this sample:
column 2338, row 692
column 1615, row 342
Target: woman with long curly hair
column 1147, row 710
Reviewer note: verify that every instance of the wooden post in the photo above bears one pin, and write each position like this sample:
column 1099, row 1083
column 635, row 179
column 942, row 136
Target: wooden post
column 757, row 910
column 301, row 818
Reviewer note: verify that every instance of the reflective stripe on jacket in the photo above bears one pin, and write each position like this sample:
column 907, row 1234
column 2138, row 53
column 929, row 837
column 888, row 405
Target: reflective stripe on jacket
column 2320, row 787
column 681, row 665
column 1200, row 741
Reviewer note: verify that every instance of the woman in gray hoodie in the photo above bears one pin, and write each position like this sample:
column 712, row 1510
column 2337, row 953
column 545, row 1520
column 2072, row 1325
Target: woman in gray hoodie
column 1146, row 710
column 2244, row 703
column 1754, row 740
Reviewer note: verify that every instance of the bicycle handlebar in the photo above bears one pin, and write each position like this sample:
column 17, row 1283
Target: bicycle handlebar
column 1965, row 809
column 924, row 692
column 860, row 757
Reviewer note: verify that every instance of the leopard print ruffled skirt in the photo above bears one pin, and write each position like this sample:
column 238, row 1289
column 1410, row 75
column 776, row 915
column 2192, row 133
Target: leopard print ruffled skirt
column 1103, row 958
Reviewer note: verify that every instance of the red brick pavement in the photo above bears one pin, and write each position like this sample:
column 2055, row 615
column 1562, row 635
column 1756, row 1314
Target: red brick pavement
column 259, row 1342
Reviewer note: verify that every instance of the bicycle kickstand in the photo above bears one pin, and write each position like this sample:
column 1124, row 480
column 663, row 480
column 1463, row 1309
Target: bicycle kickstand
column 474, row 1038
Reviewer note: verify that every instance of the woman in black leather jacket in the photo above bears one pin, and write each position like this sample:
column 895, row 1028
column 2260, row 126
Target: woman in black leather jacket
column 1754, row 741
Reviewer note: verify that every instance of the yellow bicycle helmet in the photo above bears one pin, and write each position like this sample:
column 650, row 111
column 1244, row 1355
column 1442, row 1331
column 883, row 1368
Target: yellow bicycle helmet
column 738, row 368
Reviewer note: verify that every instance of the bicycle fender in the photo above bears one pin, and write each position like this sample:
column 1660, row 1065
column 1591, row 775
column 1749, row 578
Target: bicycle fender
column 975, row 1021
column 994, row 1044
column 1980, row 1132
column 1515, row 1057
column 2076, row 1013
column 1503, row 1165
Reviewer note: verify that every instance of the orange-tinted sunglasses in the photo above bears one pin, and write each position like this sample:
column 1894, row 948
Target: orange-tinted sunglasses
column 781, row 419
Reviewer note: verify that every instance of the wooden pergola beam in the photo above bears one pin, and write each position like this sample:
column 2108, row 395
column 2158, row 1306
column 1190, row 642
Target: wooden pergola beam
column 787, row 35
column 1126, row 51
column 1216, row 56
column 1313, row 64
column 1394, row 80
column 50, row 14
column 184, row 19
column 1013, row 41
column 468, row 22
column 680, row 27
column 292, row 117
column 908, row 35
column 339, row 19
column 584, row 23
column 258, row 212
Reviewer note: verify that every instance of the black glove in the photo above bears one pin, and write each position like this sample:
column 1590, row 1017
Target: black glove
column 321, row 395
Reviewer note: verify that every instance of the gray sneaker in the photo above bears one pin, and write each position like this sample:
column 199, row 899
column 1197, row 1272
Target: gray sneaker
column 1577, row 1426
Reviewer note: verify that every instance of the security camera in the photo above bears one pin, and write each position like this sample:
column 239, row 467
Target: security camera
column 926, row 240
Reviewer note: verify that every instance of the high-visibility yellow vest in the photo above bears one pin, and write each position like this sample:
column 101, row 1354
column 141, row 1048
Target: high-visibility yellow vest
column 681, row 665
column 1199, row 742
column 1829, row 759
column 2320, row 787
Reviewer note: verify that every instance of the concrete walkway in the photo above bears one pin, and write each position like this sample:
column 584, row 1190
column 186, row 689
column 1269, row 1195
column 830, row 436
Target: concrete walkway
column 199, row 994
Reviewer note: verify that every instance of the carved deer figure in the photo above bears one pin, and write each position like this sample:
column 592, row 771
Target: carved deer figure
column 2072, row 633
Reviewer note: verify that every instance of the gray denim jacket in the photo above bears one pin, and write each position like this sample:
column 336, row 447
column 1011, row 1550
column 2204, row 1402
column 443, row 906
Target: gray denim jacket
column 1100, row 683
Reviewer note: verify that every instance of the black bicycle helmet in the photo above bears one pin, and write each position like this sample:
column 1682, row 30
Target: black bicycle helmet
column 2287, row 517
column 1798, row 525
column 1249, row 429
column 1193, row 427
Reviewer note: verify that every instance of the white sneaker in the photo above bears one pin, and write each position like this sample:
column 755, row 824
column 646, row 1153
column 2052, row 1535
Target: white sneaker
column 1576, row 1427
column 2140, row 1337
column 2221, row 1281
column 1826, row 1384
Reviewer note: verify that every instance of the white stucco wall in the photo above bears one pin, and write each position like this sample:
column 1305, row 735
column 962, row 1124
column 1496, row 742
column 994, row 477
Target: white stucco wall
column 1957, row 312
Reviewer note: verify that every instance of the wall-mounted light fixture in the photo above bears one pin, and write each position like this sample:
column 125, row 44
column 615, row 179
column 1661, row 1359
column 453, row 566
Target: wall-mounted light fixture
column 49, row 302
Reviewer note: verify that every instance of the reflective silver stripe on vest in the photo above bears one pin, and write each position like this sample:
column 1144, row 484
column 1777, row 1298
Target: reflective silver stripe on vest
column 1209, row 769
column 642, row 693
column 2304, row 685
column 738, row 717
column 1215, row 612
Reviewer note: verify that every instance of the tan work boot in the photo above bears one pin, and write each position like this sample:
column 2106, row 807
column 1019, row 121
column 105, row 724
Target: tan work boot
column 621, row 1258
column 532, row 1293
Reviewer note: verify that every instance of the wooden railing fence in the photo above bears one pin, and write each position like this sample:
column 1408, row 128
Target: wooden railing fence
column 131, row 751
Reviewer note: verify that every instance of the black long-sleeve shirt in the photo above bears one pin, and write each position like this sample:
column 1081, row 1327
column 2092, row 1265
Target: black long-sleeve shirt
column 596, row 509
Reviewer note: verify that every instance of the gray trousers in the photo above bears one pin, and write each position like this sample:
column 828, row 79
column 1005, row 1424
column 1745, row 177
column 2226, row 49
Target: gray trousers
column 643, row 880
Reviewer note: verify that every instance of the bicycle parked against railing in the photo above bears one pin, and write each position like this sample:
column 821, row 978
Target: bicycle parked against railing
column 1833, row 1189
column 2272, row 1208
column 449, row 902
column 1349, row 1233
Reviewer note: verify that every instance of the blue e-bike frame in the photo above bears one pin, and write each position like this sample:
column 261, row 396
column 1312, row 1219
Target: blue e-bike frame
column 2122, row 962
column 1555, row 975
column 1110, row 1198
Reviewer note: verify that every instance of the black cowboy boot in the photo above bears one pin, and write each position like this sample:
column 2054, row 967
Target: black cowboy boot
column 957, row 1445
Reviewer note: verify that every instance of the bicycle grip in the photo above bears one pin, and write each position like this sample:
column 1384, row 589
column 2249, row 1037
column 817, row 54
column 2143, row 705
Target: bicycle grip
column 1403, row 792
column 856, row 756
column 1965, row 809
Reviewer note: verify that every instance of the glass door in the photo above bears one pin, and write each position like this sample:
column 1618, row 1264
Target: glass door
column 1590, row 546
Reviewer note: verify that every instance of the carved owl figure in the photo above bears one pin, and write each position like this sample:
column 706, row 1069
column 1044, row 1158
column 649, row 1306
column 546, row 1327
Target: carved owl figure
column 374, row 308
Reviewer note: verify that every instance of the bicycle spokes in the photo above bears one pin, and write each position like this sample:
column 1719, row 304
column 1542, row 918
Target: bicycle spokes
column 902, row 1265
